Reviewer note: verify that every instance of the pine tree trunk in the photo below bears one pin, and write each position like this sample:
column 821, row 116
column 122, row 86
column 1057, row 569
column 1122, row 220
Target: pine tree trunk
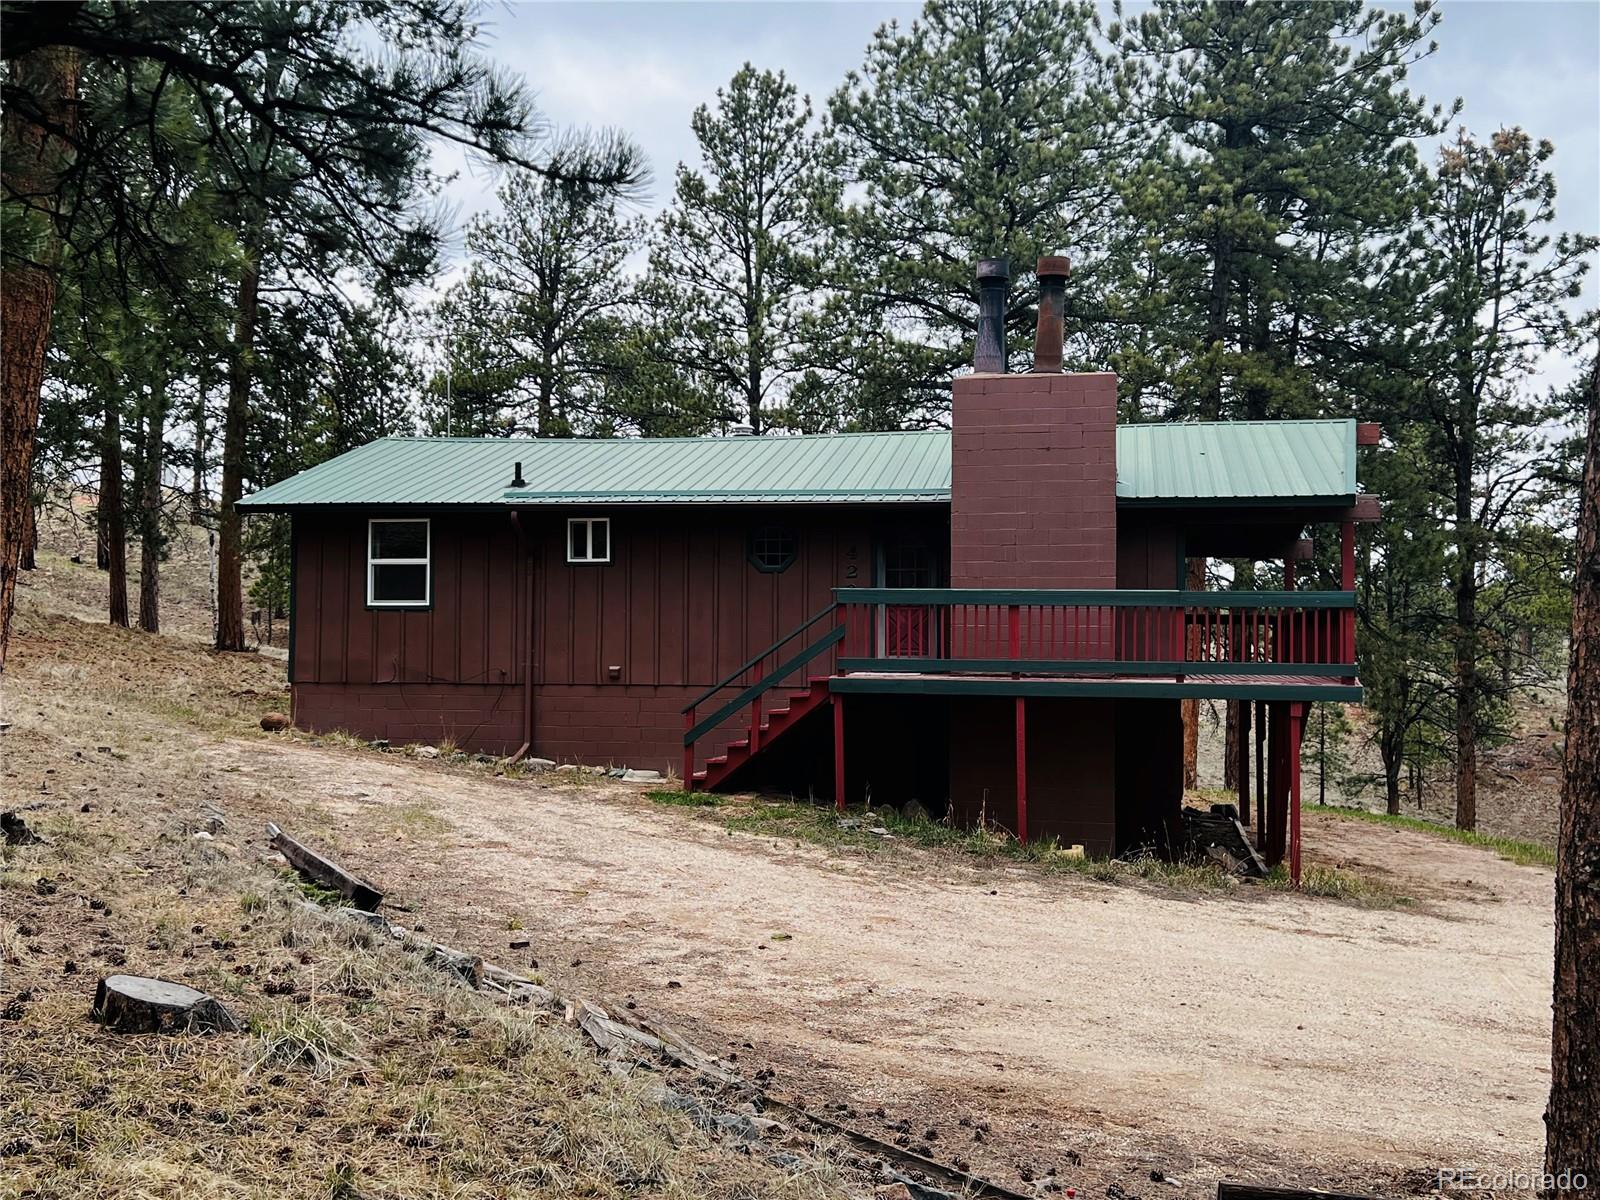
column 197, row 485
column 30, row 160
column 1230, row 745
column 30, row 536
column 1466, row 665
column 1391, row 783
column 150, row 514
column 230, row 555
column 1572, row 1121
column 113, row 520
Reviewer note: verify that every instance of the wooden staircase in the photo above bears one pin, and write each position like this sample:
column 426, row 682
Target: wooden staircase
column 756, row 679
column 721, row 767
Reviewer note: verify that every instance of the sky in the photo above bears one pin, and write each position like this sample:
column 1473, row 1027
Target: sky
column 644, row 67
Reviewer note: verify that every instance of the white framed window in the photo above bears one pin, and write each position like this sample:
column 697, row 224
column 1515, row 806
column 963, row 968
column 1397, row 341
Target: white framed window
column 399, row 570
column 588, row 539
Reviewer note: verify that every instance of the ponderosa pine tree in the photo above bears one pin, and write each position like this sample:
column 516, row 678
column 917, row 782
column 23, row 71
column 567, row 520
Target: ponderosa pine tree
column 335, row 141
column 733, row 268
column 530, row 336
column 1283, row 161
column 1572, row 1119
column 1280, row 161
column 35, row 157
column 1494, row 289
column 1403, row 609
column 983, row 129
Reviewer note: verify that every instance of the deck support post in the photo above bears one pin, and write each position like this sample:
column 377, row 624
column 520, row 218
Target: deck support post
column 838, row 752
column 1242, row 766
column 1296, row 726
column 1022, row 770
column 1277, row 780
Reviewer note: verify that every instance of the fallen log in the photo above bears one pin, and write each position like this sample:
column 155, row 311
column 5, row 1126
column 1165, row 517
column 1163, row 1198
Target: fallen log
column 963, row 1183
column 614, row 1035
column 1227, row 1189
column 134, row 1004
column 611, row 1035
column 467, row 967
column 324, row 871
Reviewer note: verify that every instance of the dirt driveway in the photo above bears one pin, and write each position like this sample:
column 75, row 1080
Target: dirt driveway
column 1123, row 1027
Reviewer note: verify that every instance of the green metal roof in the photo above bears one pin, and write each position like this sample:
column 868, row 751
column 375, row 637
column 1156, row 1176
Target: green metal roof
column 1237, row 462
column 822, row 469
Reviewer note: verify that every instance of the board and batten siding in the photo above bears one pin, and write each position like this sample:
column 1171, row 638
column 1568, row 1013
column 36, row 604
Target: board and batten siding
column 678, row 608
column 466, row 636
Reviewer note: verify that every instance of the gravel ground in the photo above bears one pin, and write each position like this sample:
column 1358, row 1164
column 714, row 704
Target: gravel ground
column 1103, row 1032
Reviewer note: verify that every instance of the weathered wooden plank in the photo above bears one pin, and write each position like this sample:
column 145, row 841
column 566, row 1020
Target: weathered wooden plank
column 324, row 871
column 1227, row 1189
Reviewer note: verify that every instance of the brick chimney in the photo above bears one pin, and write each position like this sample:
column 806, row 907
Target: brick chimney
column 1034, row 467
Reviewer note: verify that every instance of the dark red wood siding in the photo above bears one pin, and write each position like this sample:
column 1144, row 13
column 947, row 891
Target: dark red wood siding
column 678, row 607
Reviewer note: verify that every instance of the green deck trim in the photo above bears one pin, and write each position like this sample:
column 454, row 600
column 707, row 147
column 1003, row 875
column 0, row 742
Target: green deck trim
column 836, row 635
column 1068, row 666
column 1118, row 689
column 1218, row 464
column 832, row 638
column 1091, row 597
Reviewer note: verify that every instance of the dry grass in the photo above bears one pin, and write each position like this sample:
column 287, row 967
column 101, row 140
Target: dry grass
column 364, row 1072
column 1523, row 853
column 821, row 826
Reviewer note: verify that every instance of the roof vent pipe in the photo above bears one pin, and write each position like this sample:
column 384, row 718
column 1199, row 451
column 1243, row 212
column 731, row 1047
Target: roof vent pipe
column 1052, row 273
column 516, row 477
column 994, row 278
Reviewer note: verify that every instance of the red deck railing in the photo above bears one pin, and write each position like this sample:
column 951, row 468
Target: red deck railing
column 975, row 631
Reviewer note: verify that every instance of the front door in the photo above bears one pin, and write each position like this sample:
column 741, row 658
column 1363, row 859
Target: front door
column 909, row 630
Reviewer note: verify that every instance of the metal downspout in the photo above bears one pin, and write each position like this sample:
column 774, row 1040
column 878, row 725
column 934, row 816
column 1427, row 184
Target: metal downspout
column 522, row 751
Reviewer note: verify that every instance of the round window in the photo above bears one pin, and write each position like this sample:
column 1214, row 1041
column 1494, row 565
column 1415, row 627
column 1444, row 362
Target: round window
column 773, row 548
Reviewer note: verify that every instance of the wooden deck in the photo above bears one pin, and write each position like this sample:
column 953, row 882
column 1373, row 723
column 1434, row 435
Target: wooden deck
column 1248, row 686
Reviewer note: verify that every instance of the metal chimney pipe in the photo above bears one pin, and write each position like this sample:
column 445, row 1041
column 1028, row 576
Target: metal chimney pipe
column 994, row 278
column 1052, row 274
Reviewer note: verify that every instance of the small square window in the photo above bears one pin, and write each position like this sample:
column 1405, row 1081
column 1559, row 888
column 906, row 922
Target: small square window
column 398, row 566
column 589, row 539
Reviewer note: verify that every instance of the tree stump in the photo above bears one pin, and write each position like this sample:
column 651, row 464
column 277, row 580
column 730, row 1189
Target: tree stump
column 133, row 1004
column 17, row 832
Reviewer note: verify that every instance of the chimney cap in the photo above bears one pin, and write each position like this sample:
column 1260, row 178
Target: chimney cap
column 1053, row 266
column 741, row 430
column 994, row 268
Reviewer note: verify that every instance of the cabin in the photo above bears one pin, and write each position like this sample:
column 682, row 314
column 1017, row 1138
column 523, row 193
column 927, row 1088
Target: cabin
column 992, row 618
